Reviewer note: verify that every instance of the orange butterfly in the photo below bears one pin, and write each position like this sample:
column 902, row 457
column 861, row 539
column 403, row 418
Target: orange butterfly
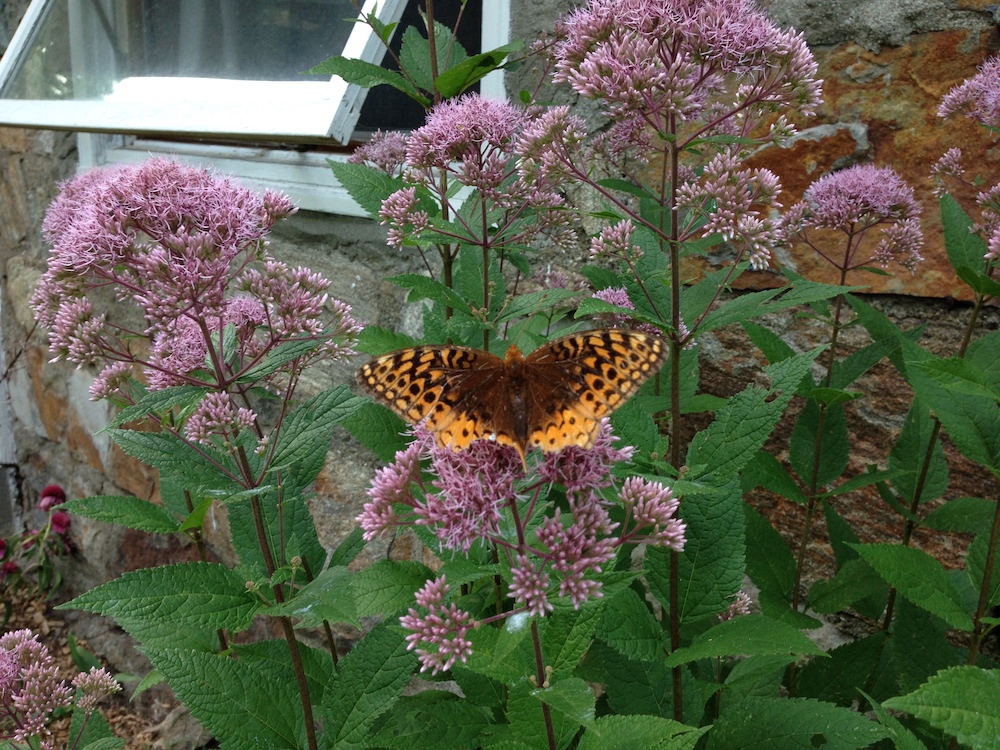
column 553, row 398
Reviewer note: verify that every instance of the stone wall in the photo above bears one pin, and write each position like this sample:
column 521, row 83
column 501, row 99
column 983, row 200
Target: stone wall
column 886, row 65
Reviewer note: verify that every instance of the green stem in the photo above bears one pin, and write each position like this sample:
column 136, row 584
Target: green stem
column 542, row 680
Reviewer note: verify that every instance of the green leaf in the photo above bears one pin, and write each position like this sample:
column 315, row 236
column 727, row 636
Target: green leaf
column 758, row 676
column 791, row 723
column 963, row 702
column 368, row 683
column 202, row 467
column 768, row 472
column 906, row 460
column 159, row 402
column 901, row 737
column 306, row 433
column 288, row 526
column 920, row 578
column 243, row 702
column 834, row 444
column 976, row 563
column 964, row 247
column 639, row 731
column 712, row 564
column 378, row 429
column 367, row 185
column 415, row 53
column 837, row 678
column 327, row 598
column 376, row 341
column 460, row 77
column 567, row 634
column 963, row 514
column 198, row 594
column 533, row 303
column 755, row 304
column 856, row 580
column 386, row 586
column 571, row 697
column 918, row 648
column 422, row 287
column 629, row 627
column 746, row 421
column 280, row 355
column 750, row 634
column 366, row 75
column 503, row 654
column 349, row 548
column 124, row 510
column 433, row 720
column 770, row 563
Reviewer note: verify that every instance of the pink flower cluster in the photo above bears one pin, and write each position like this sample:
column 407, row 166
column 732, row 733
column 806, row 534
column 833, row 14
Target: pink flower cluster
column 473, row 142
column 482, row 494
column 852, row 202
column 188, row 249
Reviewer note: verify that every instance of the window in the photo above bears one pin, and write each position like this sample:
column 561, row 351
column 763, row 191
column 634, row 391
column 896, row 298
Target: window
column 216, row 82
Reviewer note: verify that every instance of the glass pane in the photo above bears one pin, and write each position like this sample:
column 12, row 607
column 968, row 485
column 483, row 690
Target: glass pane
column 85, row 49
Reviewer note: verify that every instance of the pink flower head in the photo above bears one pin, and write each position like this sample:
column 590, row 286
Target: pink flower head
column 216, row 418
column 676, row 57
column 96, row 685
column 31, row 689
column 440, row 637
column 853, row 201
column 393, row 484
column 740, row 606
column 977, row 97
column 386, row 151
column 577, row 468
column 529, row 586
column 472, row 485
column 51, row 496
column 60, row 522
column 654, row 509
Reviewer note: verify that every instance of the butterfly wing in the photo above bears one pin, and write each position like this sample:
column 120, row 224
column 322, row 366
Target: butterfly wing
column 460, row 394
column 577, row 380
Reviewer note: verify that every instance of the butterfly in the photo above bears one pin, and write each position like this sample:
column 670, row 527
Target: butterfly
column 553, row 398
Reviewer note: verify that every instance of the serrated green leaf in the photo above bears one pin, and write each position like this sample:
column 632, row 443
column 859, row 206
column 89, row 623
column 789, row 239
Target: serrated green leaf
column 963, row 514
column 503, row 654
column 837, row 678
column 963, row 702
column 415, row 57
column 280, row 355
column 288, row 526
column 567, row 634
column 378, row 429
column 306, row 433
column 976, row 565
column 791, row 723
column 172, row 455
column 827, row 429
column 750, row 634
column 157, row 402
column 755, row 304
column 199, row 594
column 433, row 720
column 376, row 341
column 766, row 471
column 327, row 598
column 712, row 564
column 368, row 683
column 770, row 563
column 533, row 303
column 242, row 702
column 759, row 676
column 387, row 586
column 460, row 77
column 901, row 737
column 367, row 185
column 744, row 424
column 964, row 247
column 856, row 580
column 422, row 287
column 124, row 510
column 633, row 732
column 571, row 697
column 920, row 578
column 366, row 75
column 349, row 547
column 629, row 627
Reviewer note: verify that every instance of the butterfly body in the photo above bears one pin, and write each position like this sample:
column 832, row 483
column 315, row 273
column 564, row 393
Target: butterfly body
column 553, row 398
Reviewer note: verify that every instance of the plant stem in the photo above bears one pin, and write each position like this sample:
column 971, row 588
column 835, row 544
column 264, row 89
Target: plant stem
column 550, row 732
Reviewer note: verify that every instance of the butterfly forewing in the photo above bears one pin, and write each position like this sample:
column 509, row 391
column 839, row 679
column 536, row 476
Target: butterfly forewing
column 458, row 393
column 577, row 380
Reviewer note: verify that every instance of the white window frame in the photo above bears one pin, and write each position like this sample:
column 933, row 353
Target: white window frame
column 304, row 174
